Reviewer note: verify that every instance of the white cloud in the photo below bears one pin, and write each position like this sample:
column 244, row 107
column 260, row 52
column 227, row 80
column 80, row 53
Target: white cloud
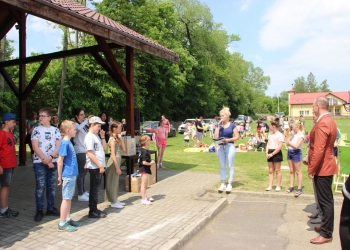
column 289, row 21
column 245, row 4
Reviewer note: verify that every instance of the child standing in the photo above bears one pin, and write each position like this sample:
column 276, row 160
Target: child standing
column 95, row 162
column 45, row 141
column 193, row 133
column 186, row 138
column 7, row 163
column 145, row 163
column 67, row 173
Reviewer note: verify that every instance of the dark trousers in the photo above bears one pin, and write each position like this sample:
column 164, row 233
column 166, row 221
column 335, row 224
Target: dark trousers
column 95, row 183
column 81, row 158
column 344, row 225
column 323, row 188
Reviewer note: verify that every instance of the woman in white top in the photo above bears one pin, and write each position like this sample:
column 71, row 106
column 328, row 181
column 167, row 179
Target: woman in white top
column 294, row 141
column 274, row 154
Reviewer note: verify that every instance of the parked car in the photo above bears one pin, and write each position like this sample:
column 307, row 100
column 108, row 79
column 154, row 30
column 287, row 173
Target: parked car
column 186, row 123
column 263, row 118
column 279, row 114
column 240, row 119
column 148, row 128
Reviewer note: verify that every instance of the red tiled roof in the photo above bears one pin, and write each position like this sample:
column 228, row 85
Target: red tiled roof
column 309, row 98
column 75, row 8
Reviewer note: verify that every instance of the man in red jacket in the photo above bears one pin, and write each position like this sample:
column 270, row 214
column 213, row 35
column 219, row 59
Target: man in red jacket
column 322, row 167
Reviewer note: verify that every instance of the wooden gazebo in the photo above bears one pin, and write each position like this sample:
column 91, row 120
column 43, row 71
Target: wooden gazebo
column 76, row 16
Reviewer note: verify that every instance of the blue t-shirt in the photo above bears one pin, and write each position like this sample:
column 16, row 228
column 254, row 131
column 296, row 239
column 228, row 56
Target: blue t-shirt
column 227, row 132
column 70, row 164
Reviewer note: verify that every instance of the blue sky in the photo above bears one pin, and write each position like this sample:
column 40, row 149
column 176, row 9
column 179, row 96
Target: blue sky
column 287, row 39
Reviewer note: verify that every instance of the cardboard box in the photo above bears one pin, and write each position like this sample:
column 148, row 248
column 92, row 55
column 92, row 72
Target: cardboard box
column 152, row 177
column 135, row 184
column 130, row 145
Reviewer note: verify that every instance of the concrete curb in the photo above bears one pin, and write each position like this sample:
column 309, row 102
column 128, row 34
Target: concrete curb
column 192, row 229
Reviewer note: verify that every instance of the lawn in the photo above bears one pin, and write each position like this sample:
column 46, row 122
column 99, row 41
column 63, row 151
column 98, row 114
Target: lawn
column 251, row 172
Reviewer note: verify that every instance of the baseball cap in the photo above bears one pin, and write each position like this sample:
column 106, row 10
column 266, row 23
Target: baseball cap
column 8, row 116
column 96, row 119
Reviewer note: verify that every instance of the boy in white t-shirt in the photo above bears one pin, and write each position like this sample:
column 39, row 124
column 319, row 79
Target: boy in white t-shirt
column 45, row 141
column 95, row 163
column 186, row 138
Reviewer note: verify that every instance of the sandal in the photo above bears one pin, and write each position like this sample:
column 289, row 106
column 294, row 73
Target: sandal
column 298, row 192
column 289, row 190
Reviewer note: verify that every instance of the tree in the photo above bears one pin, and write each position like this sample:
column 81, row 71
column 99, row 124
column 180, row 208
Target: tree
column 324, row 87
column 310, row 85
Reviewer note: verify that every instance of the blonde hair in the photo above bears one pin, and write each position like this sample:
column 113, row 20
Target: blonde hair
column 144, row 139
column 298, row 123
column 226, row 111
column 67, row 124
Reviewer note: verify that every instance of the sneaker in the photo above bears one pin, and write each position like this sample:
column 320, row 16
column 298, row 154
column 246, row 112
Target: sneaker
column 53, row 212
column 74, row 223
column 222, row 187
column 150, row 199
column 97, row 214
column 228, row 188
column 121, row 203
column 87, row 193
column 39, row 215
column 146, row 202
column 268, row 189
column 278, row 189
column 117, row 205
column 83, row 197
column 161, row 166
column 9, row 214
column 66, row 227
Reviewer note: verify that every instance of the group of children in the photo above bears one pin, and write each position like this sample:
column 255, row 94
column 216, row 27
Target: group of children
column 55, row 159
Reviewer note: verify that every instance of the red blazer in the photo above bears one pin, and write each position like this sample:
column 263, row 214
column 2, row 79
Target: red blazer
column 321, row 161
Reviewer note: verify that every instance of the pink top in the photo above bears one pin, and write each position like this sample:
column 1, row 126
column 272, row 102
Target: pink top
column 166, row 124
column 274, row 139
column 161, row 132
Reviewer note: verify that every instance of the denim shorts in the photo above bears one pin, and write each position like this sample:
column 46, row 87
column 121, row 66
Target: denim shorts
column 68, row 187
column 199, row 136
column 6, row 177
column 294, row 155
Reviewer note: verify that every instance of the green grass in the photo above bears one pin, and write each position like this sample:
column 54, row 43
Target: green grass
column 251, row 172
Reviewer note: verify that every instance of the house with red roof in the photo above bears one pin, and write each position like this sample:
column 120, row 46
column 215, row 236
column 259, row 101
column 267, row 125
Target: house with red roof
column 301, row 103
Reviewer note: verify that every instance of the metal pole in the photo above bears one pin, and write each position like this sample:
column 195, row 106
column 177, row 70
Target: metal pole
column 278, row 98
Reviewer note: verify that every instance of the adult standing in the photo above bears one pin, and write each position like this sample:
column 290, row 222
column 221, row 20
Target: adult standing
column 199, row 127
column 226, row 150
column 31, row 124
column 274, row 154
column 166, row 124
column 322, row 167
column 105, row 126
column 161, row 137
column 82, row 127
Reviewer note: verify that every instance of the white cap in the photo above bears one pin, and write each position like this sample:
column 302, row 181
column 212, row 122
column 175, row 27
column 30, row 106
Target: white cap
column 96, row 119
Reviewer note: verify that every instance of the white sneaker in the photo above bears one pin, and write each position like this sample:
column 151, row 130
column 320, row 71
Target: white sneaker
column 222, row 187
column 150, row 199
column 83, row 197
column 87, row 193
column 228, row 188
column 268, row 189
column 121, row 203
column 146, row 202
column 117, row 205
column 278, row 189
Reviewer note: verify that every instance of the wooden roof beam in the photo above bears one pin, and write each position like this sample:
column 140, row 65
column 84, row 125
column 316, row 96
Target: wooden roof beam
column 10, row 82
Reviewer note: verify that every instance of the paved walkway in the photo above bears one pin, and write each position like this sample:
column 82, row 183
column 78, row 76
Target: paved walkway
column 182, row 208
column 159, row 226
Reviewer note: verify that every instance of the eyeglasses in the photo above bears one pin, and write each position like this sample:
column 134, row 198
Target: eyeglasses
column 43, row 116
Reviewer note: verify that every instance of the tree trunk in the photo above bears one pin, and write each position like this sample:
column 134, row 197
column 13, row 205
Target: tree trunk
column 2, row 58
column 64, row 72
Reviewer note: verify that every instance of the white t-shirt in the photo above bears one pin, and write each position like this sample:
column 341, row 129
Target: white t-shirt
column 274, row 139
column 187, row 135
column 295, row 138
column 94, row 143
column 285, row 124
column 82, row 130
column 46, row 138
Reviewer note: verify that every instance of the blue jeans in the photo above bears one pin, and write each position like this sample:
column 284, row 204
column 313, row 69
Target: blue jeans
column 45, row 178
column 226, row 154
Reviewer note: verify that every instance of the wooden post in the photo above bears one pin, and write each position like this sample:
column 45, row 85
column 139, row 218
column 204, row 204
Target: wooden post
column 130, row 95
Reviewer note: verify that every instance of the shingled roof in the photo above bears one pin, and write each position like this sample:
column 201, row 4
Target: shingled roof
column 70, row 13
column 309, row 98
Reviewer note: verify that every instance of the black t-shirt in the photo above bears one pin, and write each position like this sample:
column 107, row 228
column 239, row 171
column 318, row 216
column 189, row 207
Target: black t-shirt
column 144, row 156
column 198, row 123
